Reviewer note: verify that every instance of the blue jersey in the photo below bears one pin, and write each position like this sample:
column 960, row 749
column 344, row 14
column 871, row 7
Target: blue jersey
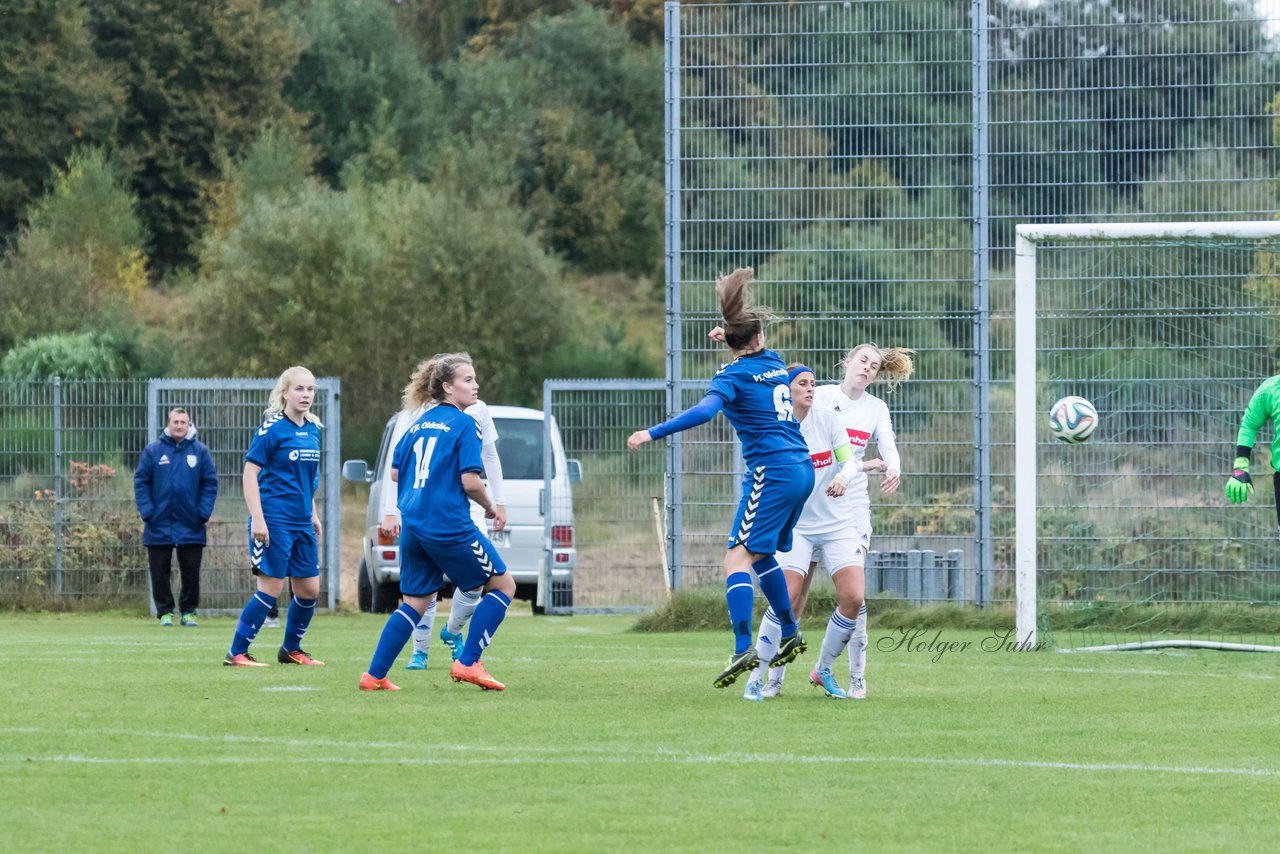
column 757, row 402
column 430, row 460
column 289, row 456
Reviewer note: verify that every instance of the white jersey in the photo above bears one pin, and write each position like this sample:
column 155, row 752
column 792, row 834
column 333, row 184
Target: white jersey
column 488, row 455
column 864, row 419
column 823, row 433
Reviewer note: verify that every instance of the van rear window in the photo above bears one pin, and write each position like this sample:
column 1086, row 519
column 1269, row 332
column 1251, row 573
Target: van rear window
column 520, row 448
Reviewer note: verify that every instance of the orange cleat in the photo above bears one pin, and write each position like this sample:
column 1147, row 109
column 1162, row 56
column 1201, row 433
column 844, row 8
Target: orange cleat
column 244, row 659
column 368, row 683
column 476, row 675
column 297, row 656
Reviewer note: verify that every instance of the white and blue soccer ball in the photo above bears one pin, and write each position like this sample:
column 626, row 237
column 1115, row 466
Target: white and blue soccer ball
column 1073, row 419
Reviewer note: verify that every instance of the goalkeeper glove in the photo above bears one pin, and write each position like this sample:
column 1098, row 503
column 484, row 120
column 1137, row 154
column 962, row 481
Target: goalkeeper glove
column 1240, row 485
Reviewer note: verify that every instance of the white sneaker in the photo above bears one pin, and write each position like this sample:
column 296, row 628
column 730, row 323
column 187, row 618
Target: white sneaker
column 271, row 623
column 753, row 691
column 772, row 688
column 857, row 688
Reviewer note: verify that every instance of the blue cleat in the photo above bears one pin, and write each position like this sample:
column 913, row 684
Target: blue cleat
column 824, row 680
column 754, row 691
column 418, row 662
column 455, row 642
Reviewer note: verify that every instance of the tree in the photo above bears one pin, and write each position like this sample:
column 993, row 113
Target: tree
column 200, row 79
column 361, row 83
column 55, row 95
column 569, row 111
column 81, row 255
column 362, row 284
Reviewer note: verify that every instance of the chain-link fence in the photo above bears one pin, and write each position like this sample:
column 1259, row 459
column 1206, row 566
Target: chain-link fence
column 870, row 160
column 69, row 527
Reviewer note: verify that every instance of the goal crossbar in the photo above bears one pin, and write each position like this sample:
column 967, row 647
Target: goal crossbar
column 1025, row 498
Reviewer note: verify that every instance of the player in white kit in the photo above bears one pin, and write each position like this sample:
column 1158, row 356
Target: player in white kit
column 823, row 526
column 865, row 418
column 464, row 601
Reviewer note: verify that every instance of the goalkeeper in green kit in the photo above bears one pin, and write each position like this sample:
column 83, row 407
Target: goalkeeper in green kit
column 1264, row 404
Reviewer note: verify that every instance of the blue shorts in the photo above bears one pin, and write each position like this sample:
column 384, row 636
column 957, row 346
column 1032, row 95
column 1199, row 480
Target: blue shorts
column 425, row 563
column 290, row 554
column 772, row 499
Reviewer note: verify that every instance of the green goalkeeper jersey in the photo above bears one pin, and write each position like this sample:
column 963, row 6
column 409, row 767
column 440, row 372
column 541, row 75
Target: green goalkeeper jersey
column 1264, row 404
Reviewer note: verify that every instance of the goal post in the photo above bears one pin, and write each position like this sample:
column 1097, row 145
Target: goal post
column 1027, row 366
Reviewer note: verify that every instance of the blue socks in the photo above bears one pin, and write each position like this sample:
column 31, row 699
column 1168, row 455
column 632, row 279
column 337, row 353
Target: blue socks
column 395, row 634
column 739, row 595
column 295, row 626
column 774, row 587
column 484, row 623
column 259, row 605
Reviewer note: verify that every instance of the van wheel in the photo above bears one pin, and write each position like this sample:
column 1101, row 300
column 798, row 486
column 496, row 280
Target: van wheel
column 364, row 590
column 386, row 597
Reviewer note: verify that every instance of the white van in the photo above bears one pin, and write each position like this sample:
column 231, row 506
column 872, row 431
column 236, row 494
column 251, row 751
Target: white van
column 524, row 545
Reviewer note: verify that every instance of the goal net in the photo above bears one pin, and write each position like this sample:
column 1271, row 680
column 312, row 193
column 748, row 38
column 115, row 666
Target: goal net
column 1127, row 540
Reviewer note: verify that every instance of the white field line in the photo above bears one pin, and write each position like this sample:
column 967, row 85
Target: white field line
column 615, row 757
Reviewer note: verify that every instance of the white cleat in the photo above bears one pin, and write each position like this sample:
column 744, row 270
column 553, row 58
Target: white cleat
column 753, row 691
column 771, row 689
column 857, row 688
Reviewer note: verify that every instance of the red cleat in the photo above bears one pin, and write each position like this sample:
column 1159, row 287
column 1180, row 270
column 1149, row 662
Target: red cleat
column 476, row 675
column 244, row 659
column 297, row 656
column 368, row 683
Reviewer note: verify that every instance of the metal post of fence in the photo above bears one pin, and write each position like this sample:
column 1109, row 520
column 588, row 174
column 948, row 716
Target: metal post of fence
column 543, row 595
column 153, row 430
column 333, row 490
column 57, row 484
column 980, row 200
column 675, row 354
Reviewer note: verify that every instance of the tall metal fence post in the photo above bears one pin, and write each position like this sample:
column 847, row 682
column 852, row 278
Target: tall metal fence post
column 333, row 490
column 675, row 354
column 153, row 431
column 980, row 201
column 544, row 585
column 57, row 484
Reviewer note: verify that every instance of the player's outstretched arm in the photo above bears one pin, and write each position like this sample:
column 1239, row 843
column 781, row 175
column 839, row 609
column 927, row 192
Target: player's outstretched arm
column 704, row 411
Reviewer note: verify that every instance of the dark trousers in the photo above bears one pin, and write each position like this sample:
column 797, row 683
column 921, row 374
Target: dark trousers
column 161, row 558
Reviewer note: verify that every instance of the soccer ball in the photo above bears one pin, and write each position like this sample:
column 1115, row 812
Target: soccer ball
column 1072, row 419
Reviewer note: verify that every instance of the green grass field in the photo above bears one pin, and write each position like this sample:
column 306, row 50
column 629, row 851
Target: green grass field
column 116, row 735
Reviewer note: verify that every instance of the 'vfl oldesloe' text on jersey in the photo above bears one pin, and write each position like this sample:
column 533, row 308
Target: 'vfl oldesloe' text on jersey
column 757, row 402
column 430, row 460
column 289, row 456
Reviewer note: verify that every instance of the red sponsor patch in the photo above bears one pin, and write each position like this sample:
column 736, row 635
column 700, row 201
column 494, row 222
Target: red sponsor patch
column 858, row 438
column 822, row 460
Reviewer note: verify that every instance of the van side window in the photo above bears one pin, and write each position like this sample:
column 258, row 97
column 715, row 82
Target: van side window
column 520, row 448
column 384, row 449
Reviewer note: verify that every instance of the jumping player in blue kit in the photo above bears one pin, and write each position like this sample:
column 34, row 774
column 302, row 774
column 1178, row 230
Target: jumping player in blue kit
column 754, row 393
column 437, row 467
column 281, row 473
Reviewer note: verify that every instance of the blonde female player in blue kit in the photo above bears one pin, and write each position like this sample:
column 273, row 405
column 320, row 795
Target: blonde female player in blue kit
column 414, row 402
column 437, row 468
column 281, row 473
column 754, row 394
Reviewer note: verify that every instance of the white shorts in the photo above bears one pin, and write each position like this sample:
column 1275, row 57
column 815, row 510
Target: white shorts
column 838, row 549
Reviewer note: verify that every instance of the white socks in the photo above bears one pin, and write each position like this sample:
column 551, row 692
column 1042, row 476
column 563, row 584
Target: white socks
column 858, row 645
column 839, row 628
column 422, row 631
column 464, row 604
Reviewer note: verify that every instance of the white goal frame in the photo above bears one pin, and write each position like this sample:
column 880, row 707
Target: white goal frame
column 1029, row 236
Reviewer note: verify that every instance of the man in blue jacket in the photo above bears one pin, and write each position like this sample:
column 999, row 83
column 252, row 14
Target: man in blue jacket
column 175, row 487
